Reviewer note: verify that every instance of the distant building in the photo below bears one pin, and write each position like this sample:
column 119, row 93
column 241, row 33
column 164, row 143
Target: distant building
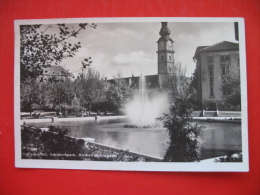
column 213, row 62
column 54, row 73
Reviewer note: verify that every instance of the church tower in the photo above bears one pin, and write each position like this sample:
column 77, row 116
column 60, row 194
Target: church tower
column 165, row 51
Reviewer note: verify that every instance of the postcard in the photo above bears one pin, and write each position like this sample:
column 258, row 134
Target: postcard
column 131, row 94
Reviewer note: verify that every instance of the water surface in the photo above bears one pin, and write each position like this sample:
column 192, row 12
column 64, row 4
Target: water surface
column 217, row 138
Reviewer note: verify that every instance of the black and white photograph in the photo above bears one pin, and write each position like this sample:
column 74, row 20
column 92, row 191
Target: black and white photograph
column 135, row 94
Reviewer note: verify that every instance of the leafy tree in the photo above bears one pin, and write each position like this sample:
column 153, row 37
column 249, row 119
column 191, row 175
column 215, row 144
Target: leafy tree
column 230, row 84
column 177, row 82
column 61, row 93
column 119, row 92
column 40, row 49
column 194, row 80
column 115, row 97
column 30, row 94
column 183, row 132
column 91, row 88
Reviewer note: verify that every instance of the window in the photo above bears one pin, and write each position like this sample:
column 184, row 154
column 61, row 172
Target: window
column 210, row 59
column 161, row 58
column 210, row 71
column 224, row 59
column 224, row 69
column 224, row 64
column 211, row 91
column 170, row 57
column 211, row 80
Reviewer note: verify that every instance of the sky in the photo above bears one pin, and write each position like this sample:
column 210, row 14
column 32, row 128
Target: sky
column 130, row 48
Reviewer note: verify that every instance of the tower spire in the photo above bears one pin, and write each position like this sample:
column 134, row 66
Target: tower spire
column 165, row 51
column 165, row 31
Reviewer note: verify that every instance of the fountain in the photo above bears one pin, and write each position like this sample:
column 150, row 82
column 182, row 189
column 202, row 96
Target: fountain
column 144, row 109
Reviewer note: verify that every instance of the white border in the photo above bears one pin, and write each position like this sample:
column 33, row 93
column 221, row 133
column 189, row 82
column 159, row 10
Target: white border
column 133, row 166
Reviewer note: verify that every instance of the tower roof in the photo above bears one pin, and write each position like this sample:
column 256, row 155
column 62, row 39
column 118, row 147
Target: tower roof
column 165, row 31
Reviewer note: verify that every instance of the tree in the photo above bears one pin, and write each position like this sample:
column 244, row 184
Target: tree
column 177, row 82
column 119, row 92
column 194, row 80
column 90, row 88
column 230, row 84
column 183, row 132
column 61, row 93
column 30, row 94
column 39, row 49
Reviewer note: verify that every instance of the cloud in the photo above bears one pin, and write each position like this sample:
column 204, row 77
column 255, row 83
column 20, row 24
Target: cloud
column 136, row 62
column 202, row 34
column 131, row 47
column 123, row 32
column 83, row 52
column 136, row 57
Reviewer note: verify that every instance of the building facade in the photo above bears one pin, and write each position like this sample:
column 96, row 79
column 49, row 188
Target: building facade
column 213, row 63
column 54, row 73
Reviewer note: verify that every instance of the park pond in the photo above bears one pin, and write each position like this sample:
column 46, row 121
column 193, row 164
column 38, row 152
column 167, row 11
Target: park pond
column 218, row 139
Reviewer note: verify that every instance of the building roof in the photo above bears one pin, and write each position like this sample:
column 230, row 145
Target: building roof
column 55, row 70
column 152, row 81
column 221, row 46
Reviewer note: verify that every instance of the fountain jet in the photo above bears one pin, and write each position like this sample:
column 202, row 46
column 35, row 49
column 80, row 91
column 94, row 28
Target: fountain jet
column 145, row 108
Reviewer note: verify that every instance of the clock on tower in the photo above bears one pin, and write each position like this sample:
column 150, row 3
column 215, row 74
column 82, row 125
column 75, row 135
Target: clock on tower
column 165, row 51
column 169, row 46
column 161, row 45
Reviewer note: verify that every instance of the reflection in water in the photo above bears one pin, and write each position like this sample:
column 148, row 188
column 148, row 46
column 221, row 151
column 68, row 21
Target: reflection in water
column 218, row 138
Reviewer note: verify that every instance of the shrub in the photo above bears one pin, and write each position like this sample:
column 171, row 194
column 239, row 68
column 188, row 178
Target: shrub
column 52, row 141
column 183, row 133
column 231, row 157
column 70, row 109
